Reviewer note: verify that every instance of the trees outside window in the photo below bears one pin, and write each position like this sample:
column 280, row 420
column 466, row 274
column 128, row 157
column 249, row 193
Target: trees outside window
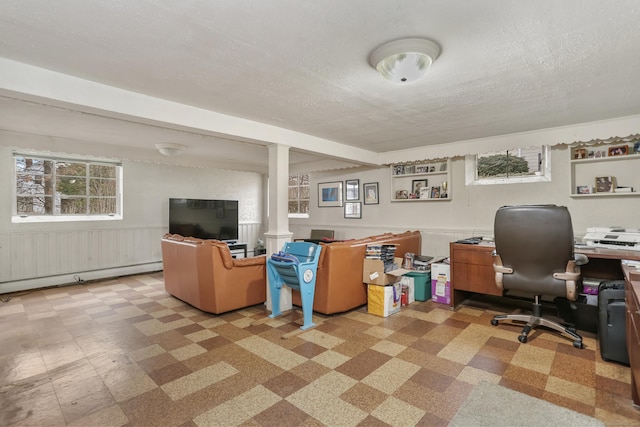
column 54, row 187
column 518, row 165
column 299, row 194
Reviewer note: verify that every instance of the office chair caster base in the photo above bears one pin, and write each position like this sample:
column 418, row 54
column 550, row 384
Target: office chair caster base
column 533, row 321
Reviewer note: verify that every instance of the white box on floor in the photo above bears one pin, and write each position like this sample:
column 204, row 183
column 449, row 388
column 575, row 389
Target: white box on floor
column 441, row 283
column 384, row 300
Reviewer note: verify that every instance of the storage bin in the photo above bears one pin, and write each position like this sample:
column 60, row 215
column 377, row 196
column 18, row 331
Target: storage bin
column 421, row 284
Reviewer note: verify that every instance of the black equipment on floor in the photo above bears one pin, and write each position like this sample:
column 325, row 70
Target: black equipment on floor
column 612, row 330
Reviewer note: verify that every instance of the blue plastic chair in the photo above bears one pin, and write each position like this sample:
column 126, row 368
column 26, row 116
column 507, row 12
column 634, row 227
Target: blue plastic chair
column 295, row 266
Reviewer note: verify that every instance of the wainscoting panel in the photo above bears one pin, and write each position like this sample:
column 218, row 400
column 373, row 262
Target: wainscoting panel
column 249, row 233
column 27, row 255
column 62, row 256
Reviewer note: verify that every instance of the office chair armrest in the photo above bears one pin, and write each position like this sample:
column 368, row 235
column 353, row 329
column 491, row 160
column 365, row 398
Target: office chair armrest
column 500, row 270
column 571, row 277
column 581, row 259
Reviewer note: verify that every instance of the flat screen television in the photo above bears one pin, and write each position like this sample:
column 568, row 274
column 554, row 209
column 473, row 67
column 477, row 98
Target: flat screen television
column 205, row 219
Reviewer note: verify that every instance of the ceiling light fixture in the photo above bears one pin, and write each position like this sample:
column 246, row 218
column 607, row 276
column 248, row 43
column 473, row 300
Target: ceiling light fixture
column 170, row 150
column 404, row 61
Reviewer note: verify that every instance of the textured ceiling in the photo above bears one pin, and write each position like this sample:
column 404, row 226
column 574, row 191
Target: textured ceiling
column 505, row 67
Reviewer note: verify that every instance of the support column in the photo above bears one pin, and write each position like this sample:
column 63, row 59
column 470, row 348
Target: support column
column 278, row 230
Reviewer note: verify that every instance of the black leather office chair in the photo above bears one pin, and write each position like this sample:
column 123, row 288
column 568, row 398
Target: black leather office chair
column 534, row 255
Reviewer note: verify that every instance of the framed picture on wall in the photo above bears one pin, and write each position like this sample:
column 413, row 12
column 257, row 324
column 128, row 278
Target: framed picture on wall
column 330, row 194
column 353, row 210
column 352, row 190
column 370, row 190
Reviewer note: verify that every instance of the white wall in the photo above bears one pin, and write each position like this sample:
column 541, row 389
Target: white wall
column 45, row 254
column 471, row 211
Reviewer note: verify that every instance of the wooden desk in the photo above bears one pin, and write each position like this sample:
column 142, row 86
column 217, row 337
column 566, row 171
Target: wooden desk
column 632, row 298
column 471, row 271
column 472, row 268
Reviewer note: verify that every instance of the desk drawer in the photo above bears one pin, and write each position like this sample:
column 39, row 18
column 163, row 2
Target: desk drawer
column 476, row 257
column 475, row 278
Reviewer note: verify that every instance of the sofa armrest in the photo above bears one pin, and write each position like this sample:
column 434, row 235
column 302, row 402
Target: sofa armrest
column 256, row 260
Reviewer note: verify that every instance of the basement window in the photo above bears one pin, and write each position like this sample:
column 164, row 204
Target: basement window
column 519, row 165
column 299, row 195
column 63, row 189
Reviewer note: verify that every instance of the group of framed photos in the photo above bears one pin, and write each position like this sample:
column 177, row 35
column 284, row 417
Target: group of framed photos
column 333, row 194
column 618, row 150
column 420, row 190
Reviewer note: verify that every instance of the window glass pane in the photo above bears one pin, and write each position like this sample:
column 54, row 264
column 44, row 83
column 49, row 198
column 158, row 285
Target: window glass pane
column 293, row 193
column 102, row 187
column 293, row 207
column 33, row 185
column 304, row 193
column 304, row 206
column 71, row 169
column 102, row 171
column 66, row 186
column 26, row 164
column 34, row 205
column 501, row 165
column 304, row 179
column 102, row 205
column 293, row 179
column 73, row 206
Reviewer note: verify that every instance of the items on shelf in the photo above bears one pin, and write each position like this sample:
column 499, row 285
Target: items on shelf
column 419, row 169
column 592, row 168
column 420, row 181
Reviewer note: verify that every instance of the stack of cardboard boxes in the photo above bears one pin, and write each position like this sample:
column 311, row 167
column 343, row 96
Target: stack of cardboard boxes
column 384, row 290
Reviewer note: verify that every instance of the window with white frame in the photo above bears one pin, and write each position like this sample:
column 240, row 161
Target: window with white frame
column 519, row 165
column 299, row 195
column 48, row 188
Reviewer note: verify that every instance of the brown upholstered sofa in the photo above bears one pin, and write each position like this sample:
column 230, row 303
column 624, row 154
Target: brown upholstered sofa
column 339, row 284
column 204, row 274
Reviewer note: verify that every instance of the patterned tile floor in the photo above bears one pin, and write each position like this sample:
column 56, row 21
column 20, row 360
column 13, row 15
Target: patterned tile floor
column 124, row 353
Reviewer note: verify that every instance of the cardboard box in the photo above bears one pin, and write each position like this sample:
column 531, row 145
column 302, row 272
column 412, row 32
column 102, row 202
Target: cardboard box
column 373, row 272
column 383, row 300
column 441, row 283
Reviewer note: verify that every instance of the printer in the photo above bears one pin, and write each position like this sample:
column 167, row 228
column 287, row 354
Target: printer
column 613, row 238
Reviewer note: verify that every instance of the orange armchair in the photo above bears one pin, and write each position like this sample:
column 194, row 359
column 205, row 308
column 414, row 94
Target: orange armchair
column 203, row 273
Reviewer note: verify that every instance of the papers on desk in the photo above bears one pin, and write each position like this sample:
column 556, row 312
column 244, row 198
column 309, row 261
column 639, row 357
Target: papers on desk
column 631, row 263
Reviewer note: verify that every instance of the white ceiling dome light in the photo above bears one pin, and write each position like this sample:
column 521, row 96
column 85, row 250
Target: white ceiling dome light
column 170, row 150
column 404, row 61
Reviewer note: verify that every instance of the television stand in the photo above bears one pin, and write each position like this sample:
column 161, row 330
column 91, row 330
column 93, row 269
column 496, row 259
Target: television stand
column 235, row 246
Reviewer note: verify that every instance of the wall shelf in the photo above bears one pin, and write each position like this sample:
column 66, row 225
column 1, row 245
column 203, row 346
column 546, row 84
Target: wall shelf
column 433, row 179
column 590, row 162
